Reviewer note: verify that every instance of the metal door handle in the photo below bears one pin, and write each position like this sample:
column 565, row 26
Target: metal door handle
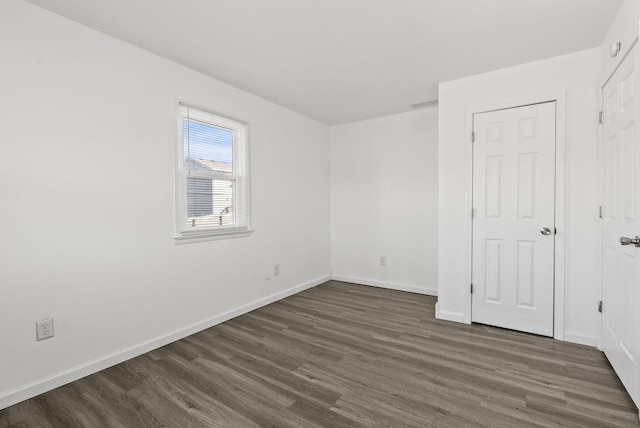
column 545, row 231
column 628, row 241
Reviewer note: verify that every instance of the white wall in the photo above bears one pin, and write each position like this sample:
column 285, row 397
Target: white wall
column 384, row 176
column 86, row 163
column 577, row 76
column 624, row 29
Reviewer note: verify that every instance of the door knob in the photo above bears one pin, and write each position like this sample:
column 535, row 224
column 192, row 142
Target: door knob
column 545, row 231
column 628, row 241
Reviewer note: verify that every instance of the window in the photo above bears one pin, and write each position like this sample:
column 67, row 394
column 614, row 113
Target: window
column 212, row 182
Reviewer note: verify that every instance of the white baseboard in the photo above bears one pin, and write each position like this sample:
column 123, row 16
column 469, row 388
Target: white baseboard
column 580, row 339
column 62, row 378
column 448, row 315
column 389, row 285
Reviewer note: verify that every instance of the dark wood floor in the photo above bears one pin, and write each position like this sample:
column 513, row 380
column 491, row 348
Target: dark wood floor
column 344, row 355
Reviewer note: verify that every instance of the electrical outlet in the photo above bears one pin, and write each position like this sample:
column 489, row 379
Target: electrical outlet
column 276, row 269
column 383, row 260
column 44, row 329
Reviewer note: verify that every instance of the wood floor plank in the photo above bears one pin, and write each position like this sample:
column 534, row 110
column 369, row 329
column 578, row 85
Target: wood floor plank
column 344, row 355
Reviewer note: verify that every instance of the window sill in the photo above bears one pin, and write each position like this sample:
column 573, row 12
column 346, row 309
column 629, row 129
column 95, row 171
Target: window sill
column 202, row 236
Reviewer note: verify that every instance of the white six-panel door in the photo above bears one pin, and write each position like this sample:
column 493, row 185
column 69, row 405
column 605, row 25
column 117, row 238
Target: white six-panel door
column 621, row 218
column 513, row 218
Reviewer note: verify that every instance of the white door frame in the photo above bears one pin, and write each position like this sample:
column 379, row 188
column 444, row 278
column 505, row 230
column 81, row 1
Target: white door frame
column 559, row 258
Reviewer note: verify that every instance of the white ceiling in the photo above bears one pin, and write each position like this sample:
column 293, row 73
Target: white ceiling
column 340, row 61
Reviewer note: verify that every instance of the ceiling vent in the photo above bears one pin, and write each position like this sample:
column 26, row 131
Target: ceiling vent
column 426, row 103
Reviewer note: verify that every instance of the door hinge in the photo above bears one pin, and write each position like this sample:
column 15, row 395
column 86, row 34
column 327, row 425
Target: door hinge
column 600, row 118
column 600, row 306
column 600, row 211
column 473, row 136
column 471, row 288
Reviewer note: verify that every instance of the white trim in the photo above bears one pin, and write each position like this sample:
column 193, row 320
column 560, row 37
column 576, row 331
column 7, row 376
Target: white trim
column 13, row 397
column 580, row 339
column 560, row 99
column 600, row 192
column 389, row 285
column 468, row 249
column 448, row 315
column 202, row 236
column 561, row 186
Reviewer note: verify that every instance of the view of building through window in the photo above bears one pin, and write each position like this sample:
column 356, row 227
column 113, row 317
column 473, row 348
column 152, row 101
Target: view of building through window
column 208, row 156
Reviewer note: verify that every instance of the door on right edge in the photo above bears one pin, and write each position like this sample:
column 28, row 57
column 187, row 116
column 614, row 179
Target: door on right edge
column 621, row 219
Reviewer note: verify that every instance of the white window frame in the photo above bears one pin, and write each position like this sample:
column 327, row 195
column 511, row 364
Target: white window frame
column 240, row 178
